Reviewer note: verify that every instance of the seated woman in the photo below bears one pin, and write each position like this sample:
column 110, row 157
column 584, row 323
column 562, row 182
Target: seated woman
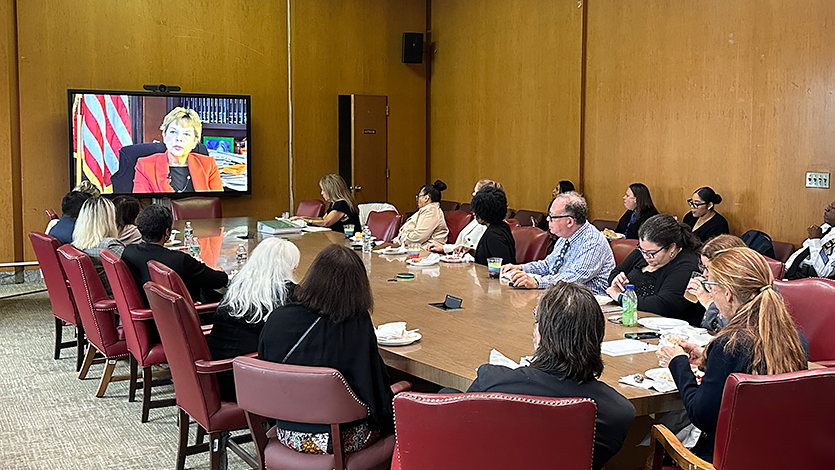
column 660, row 269
column 178, row 170
column 329, row 325
column 469, row 235
column 489, row 208
column 263, row 284
column 127, row 208
column 568, row 331
column 712, row 321
column 639, row 208
column 343, row 208
column 428, row 223
column 703, row 219
column 760, row 339
column 95, row 230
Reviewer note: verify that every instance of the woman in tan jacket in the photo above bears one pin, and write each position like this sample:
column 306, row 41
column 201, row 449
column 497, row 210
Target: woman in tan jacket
column 428, row 223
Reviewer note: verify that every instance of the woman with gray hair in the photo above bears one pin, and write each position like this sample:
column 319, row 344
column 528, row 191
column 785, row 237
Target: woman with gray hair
column 263, row 284
column 95, row 230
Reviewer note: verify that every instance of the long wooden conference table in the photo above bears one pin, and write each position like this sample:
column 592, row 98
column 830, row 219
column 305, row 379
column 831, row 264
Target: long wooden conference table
column 455, row 342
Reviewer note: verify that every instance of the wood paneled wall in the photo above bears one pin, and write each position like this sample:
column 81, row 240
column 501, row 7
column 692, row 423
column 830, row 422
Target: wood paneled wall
column 505, row 96
column 232, row 47
column 733, row 95
column 353, row 47
column 9, row 143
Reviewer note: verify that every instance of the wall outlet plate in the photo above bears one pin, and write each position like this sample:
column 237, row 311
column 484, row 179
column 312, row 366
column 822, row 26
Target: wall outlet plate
column 817, row 180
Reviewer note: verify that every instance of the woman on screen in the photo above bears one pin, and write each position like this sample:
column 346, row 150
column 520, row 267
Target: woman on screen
column 178, row 170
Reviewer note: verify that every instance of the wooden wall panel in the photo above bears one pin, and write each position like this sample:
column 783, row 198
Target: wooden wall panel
column 230, row 47
column 344, row 47
column 505, row 96
column 9, row 187
column 734, row 95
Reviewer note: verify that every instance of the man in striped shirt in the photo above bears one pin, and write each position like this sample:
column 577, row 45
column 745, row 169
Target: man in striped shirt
column 581, row 254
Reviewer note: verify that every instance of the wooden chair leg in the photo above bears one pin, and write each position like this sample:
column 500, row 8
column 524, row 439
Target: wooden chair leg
column 81, row 341
column 147, row 383
column 182, row 418
column 88, row 361
column 59, row 331
column 201, row 433
column 105, row 377
column 133, row 379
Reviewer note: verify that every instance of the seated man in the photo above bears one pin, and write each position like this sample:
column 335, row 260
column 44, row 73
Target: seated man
column 815, row 258
column 567, row 316
column 70, row 207
column 154, row 224
column 582, row 254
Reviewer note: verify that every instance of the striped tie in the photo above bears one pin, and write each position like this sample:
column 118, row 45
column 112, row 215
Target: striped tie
column 560, row 258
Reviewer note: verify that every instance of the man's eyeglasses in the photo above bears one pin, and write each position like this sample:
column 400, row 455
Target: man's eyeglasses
column 555, row 217
column 650, row 254
column 695, row 204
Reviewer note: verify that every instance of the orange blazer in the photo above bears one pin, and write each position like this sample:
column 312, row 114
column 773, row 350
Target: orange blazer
column 152, row 174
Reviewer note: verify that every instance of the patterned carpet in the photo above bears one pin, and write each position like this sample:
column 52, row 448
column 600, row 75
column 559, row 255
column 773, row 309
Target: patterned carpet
column 51, row 419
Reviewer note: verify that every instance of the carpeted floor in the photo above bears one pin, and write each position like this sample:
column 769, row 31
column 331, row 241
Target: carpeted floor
column 51, row 419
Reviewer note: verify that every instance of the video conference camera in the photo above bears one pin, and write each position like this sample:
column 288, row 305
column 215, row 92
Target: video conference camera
column 161, row 88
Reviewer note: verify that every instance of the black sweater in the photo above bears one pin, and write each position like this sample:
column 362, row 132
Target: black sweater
column 717, row 225
column 496, row 242
column 632, row 230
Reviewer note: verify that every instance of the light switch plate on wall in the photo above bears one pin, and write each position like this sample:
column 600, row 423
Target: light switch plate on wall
column 817, row 180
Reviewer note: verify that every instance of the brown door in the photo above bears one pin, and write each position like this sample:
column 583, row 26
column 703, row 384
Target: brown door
column 369, row 148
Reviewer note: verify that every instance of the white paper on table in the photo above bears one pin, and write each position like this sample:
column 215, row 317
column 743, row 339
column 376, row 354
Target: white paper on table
column 648, row 383
column 313, row 228
column 623, row 347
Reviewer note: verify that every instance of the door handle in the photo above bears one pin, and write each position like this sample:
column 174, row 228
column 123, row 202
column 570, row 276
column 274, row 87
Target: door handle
column 356, row 188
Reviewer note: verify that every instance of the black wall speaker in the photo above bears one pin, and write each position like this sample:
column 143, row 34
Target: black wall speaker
column 412, row 48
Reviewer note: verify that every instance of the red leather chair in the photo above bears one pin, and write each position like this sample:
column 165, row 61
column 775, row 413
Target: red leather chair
column 603, row 224
column 778, row 268
column 466, row 207
column 60, row 295
column 471, row 430
column 455, row 222
column 384, row 225
column 98, row 314
column 531, row 244
column 168, row 278
column 528, row 218
column 449, row 205
column 51, row 215
column 140, row 331
column 782, row 250
column 195, row 383
column 513, row 223
column 621, row 247
column 793, row 410
column 311, row 208
column 316, row 395
column 196, row 208
column 811, row 303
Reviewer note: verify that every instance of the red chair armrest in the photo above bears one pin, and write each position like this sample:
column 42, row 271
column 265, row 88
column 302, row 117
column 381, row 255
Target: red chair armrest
column 108, row 304
column 213, row 367
column 205, row 308
column 207, row 329
column 142, row 314
column 826, row 363
column 402, row 386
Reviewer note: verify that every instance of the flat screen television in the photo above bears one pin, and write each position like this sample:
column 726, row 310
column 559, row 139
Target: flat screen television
column 160, row 144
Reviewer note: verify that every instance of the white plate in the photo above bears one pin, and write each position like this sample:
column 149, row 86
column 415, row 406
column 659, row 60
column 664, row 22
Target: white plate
column 661, row 323
column 393, row 251
column 663, row 374
column 453, row 259
column 423, row 262
column 173, row 242
column 408, row 339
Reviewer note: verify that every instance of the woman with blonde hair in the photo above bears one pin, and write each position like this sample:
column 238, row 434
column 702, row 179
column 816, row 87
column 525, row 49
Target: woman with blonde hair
column 95, row 230
column 712, row 321
column 263, row 284
column 343, row 208
column 760, row 339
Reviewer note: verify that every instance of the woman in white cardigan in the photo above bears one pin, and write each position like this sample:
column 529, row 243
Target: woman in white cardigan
column 470, row 235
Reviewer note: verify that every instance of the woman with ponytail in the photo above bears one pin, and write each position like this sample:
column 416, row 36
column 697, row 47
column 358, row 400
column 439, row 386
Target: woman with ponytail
column 428, row 223
column 760, row 339
column 660, row 269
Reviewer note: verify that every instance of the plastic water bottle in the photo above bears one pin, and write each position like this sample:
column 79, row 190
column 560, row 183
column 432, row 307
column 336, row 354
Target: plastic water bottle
column 630, row 306
column 241, row 254
column 366, row 240
column 194, row 249
column 188, row 235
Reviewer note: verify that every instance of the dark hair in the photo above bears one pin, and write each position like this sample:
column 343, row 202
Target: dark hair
column 709, row 195
column 127, row 208
column 571, row 329
column 575, row 206
column 153, row 222
column 336, row 285
column 434, row 190
column 643, row 200
column 664, row 230
column 72, row 202
column 490, row 204
column 565, row 186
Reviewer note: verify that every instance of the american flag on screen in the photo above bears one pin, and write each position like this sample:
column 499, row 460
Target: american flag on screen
column 103, row 127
